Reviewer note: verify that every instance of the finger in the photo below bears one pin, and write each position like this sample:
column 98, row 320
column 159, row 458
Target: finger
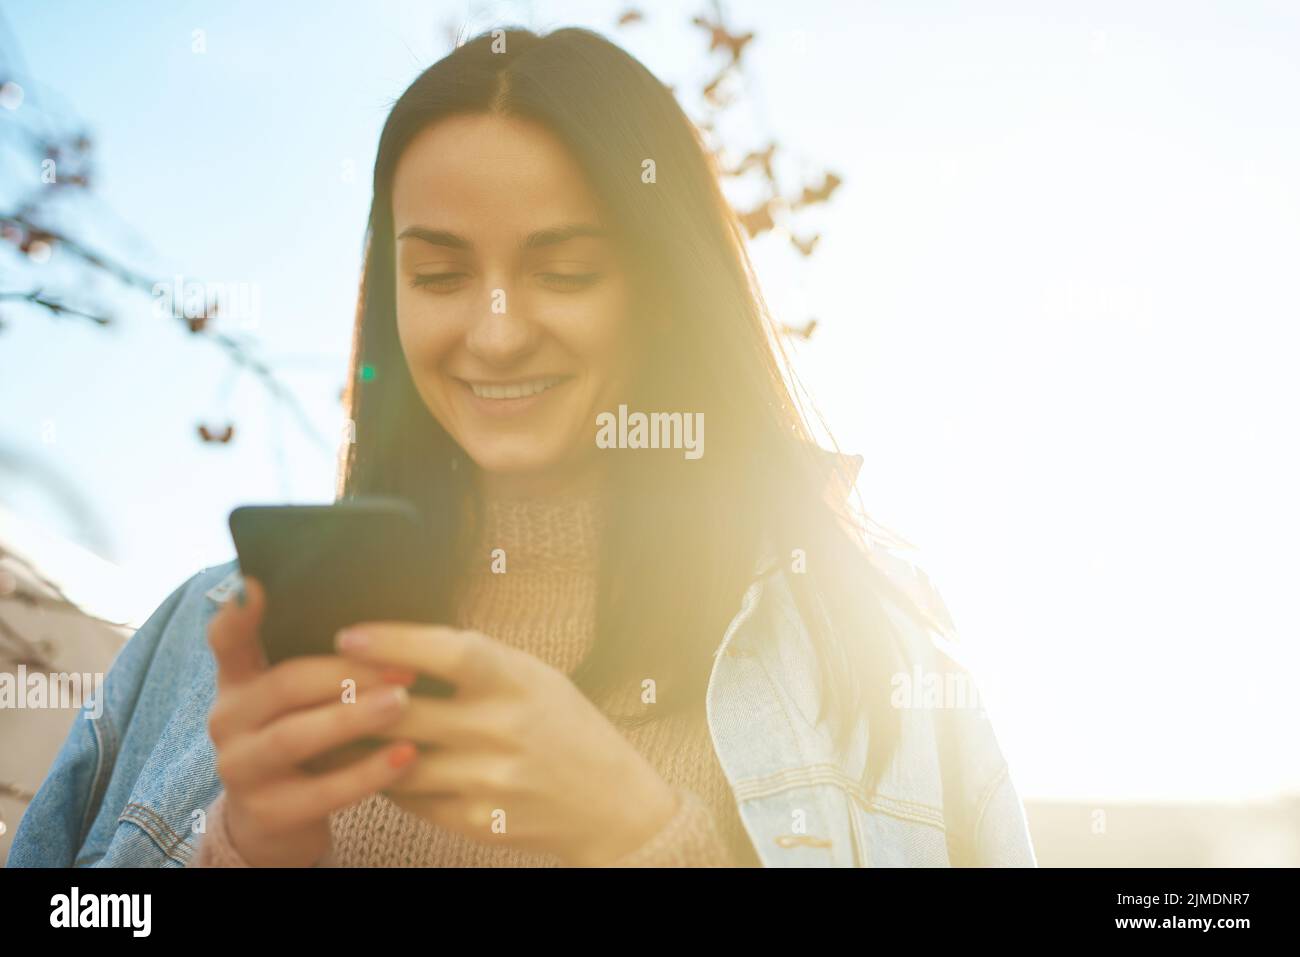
column 279, row 747
column 469, row 816
column 467, row 659
column 233, row 635
column 290, row 685
column 451, row 722
column 343, row 754
column 454, row 773
column 310, row 798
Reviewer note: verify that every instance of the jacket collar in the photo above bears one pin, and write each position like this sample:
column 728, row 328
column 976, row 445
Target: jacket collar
column 900, row 581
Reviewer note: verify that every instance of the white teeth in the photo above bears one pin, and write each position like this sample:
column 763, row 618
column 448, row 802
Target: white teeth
column 517, row 390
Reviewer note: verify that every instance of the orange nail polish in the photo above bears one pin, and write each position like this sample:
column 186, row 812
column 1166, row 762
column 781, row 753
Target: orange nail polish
column 398, row 676
column 402, row 755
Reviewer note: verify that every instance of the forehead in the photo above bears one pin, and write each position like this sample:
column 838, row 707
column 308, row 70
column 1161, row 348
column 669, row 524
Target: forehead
column 481, row 175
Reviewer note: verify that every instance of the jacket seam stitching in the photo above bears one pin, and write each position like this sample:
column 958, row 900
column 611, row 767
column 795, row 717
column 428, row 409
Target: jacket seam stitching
column 151, row 830
column 749, row 605
column 859, row 840
column 866, row 803
column 871, row 805
column 817, row 772
column 785, row 714
column 989, row 791
column 98, row 784
column 775, row 689
column 745, row 613
column 793, row 779
column 147, row 826
column 134, row 807
column 152, row 824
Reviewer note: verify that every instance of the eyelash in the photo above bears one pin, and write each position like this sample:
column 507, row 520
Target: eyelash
column 572, row 282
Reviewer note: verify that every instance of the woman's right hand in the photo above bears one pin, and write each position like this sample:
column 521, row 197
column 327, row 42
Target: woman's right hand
column 267, row 721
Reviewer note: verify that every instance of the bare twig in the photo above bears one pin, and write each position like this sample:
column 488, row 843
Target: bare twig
column 28, row 652
column 13, row 791
column 57, row 308
column 25, row 228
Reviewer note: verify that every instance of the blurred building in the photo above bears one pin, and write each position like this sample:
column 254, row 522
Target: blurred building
column 1255, row 834
column 62, row 610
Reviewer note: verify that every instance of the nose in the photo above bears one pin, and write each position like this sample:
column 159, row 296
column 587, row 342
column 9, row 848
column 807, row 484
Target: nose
column 501, row 334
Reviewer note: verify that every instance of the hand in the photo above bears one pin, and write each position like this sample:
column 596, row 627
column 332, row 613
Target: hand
column 267, row 721
column 517, row 737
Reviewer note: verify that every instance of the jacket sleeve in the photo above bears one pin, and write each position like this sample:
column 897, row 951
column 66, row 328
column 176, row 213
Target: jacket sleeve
column 57, row 820
column 1002, row 830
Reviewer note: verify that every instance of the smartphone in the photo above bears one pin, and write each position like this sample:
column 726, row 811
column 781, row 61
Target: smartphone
column 328, row 566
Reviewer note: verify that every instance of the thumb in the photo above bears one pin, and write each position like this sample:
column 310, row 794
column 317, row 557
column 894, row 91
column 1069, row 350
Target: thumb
column 235, row 635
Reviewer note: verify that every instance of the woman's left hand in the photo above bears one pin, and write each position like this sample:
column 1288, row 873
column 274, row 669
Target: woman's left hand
column 520, row 755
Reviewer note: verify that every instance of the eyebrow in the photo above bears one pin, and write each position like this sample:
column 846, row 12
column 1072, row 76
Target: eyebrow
column 537, row 240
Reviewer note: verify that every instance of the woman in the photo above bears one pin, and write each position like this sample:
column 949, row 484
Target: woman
column 671, row 652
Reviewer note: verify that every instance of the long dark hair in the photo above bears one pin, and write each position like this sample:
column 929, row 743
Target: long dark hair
column 682, row 536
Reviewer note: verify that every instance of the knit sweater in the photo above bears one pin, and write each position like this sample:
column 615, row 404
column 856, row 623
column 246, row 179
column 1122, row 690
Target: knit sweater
column 545, row 604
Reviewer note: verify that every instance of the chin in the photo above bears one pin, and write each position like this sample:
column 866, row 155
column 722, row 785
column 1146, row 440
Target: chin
column 515, row 459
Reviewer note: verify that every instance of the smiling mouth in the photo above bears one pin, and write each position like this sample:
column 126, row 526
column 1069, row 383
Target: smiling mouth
column 514, row 390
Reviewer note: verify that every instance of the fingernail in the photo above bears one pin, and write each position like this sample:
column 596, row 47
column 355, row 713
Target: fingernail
column 402, row 755
column 390, row 699
column 398, row 676
column 351, row 639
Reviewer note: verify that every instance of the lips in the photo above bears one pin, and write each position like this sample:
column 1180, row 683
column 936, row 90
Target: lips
column 513, row 390
column 507, row 400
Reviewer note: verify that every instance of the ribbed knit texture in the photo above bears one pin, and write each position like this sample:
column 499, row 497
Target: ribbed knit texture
column 544, row 603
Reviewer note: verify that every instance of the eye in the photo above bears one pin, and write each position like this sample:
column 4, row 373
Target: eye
column 435, row 280
column 570, row 281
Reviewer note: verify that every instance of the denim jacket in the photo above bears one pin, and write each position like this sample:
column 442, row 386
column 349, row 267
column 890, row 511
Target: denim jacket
column 127, row 789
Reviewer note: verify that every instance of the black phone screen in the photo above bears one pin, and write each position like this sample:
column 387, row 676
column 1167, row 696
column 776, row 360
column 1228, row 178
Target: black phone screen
column 328, row 566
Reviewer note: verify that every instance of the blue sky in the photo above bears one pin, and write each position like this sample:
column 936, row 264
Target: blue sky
column 1056, row 293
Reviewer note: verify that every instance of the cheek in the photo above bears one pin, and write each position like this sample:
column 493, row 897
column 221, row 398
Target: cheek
column 614, row 342
column 426, row 334
column 427, row 337
column 598, row 334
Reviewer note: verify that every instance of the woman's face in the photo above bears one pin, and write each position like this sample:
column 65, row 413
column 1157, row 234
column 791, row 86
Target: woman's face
column 511, row 304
